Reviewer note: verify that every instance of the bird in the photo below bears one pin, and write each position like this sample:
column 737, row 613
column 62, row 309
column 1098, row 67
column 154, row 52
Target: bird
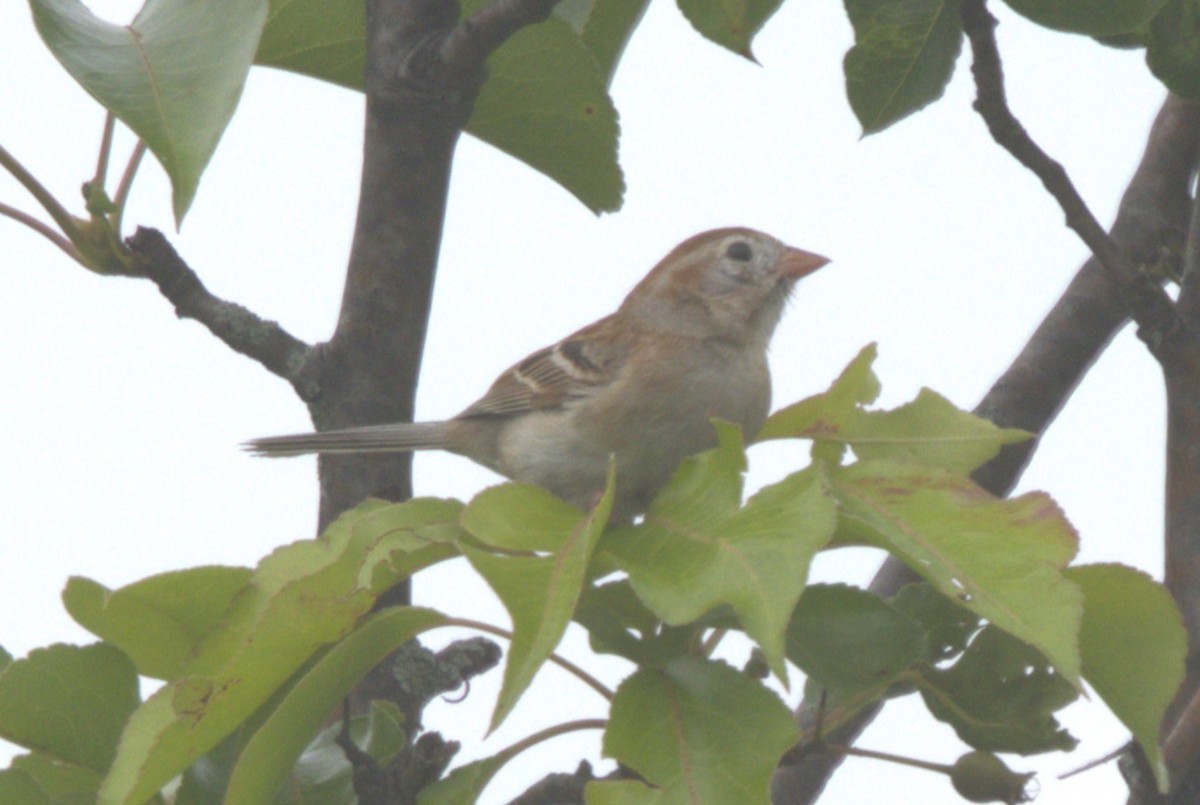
column 642, row 385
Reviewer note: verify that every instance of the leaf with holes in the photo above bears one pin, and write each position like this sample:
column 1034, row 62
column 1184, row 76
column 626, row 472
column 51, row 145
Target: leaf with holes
column 1001, row 696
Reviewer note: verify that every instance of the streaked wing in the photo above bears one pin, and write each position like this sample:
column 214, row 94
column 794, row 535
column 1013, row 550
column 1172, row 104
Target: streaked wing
column 573, row 369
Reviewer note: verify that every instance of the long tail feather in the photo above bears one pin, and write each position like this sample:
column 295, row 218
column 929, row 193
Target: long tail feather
column 396, row 438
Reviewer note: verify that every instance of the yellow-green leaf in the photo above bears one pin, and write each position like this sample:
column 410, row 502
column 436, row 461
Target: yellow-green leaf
column 1134, row 646
column 1001, row 559
column 698, row 548
column 699, row 731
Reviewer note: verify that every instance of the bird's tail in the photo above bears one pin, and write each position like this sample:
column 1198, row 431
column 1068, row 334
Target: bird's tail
column 397, row 438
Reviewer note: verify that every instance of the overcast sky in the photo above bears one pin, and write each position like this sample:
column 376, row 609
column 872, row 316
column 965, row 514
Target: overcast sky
column 121, row 423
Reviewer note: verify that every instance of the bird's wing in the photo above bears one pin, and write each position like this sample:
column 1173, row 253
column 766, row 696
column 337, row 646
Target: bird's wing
column 573, row 369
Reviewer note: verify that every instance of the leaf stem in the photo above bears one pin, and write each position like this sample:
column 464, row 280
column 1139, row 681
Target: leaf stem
column 565, row 664
column 889, row 757
column 64, row 219
column 553, row 732
column 45, row 230
column 122, row 194
column 106, row 140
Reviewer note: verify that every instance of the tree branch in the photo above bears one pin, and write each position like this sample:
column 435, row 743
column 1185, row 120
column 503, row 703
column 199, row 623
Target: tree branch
column 469, row 43
column 256, row 338
column 1149, row 305
column 1153, row 214
column 424, row 70
column 1181, row 373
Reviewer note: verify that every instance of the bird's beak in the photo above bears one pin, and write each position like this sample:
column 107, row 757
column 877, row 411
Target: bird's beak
column 797, row 263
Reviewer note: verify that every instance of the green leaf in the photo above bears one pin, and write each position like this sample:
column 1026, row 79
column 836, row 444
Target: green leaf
column 206, row 780
column 301, row 598
column 621, row 792
column 1001, row 559
column 268, row 758
column 929, row 430
column 1134, row 645
column 323, row 775
column 1001, row 696
column 540, row 593
column 464, row 784
column 405, row 537
column 40, row 778
column 18, row 788
column 696, row 549
column 852, row 642
column 1173, row 47
column 903, row 56
column 619, row 623
column 1091, row 17
column 608, row 29
column 731, row 25
column 174, row 75
column 700, row 731
column 545, row 101
column 948, row 627
column 159, row 621
column 324, row 39
column 69, row 703
column 520, row 517
column 822, row 416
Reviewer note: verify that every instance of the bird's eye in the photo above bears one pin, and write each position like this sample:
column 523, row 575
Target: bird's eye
column 740, row 251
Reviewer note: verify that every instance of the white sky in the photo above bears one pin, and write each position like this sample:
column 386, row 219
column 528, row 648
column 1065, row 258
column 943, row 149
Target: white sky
column 121, row 423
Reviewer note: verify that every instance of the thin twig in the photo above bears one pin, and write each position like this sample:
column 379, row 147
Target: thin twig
column 1148, row 304
column 264, row 341
column 44, row 229
column 469, row 44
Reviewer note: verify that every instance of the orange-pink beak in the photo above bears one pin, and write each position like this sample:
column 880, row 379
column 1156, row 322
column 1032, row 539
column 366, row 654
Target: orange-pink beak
column 797, row 263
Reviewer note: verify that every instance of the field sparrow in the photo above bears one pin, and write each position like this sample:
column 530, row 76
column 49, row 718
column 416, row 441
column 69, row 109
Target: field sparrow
column 688, row 344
